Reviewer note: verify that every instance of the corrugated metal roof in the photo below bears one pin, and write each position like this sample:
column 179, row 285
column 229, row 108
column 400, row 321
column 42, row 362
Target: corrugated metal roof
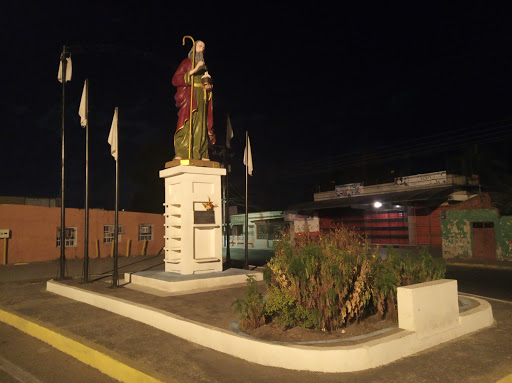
column 400, row 197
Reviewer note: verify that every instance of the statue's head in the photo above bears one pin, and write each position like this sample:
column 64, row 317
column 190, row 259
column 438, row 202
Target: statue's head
column 199, row 51
column 199, row 46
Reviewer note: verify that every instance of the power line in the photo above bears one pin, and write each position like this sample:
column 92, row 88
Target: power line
column 420, row 141
column 347, row 160
column 468, row 139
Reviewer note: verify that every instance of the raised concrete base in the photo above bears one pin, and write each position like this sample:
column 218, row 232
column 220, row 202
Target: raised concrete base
column 369, row 353
column 428, row 307
column 174, row 282
column 193, row 219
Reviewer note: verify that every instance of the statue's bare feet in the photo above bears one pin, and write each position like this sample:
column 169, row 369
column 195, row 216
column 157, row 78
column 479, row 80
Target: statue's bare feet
column 205, row 159
column 177, row 158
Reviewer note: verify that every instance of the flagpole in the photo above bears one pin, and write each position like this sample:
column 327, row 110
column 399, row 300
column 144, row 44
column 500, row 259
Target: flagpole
column 226, row 213
column 86, row 243
column 115, row 281
column 62, row 259
column 246, row 258
column 226, row 195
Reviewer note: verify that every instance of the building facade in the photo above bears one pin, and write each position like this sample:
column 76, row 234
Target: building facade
column 34, row 233
column 406, row 212
column 475, row 230
column 264, row 227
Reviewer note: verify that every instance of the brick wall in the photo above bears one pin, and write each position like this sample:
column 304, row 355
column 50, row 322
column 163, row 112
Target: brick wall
column 34, row 232
column 482, row 201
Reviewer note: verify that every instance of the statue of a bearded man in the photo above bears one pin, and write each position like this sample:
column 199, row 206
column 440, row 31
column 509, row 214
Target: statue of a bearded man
column 202, row 107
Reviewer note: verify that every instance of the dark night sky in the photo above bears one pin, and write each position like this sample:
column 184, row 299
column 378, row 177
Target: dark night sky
column 317, row 89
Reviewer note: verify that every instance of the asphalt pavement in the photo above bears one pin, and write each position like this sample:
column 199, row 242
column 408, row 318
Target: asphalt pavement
column 26, row 359
column 484, row 356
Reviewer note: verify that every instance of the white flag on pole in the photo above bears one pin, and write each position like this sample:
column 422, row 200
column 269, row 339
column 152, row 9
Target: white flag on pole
column 229, row 133
column 82, row 111
column 112, row 136
column 248, row 156
column 69, row 70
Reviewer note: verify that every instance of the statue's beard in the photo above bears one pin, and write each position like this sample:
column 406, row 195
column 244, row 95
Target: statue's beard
column 199, row 57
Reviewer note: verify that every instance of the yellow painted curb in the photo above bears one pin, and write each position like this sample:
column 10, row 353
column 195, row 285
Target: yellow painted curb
column 506, row 379
column 106, row 364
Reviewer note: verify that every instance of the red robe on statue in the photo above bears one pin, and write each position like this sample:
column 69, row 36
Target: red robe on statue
column 181, row 81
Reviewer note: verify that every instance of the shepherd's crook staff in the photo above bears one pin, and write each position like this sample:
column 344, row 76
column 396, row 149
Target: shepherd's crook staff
column 191, row 94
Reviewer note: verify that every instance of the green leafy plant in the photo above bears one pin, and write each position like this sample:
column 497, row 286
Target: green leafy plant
column 251, row 307
column 401, row 270
column 319, row 282
column 328, row 281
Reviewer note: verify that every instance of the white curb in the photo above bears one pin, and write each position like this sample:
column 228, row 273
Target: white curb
column 343, row 358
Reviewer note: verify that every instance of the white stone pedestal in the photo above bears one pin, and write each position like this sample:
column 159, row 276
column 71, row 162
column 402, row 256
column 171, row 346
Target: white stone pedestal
column 193, row 239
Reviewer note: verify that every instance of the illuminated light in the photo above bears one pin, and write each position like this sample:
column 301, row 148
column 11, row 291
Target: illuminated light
column 377, row 204
column 398, row 206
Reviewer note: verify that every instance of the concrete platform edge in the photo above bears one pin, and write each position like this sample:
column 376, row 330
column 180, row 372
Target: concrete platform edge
column 78, row 349
column 349, row 358
column 194, row 284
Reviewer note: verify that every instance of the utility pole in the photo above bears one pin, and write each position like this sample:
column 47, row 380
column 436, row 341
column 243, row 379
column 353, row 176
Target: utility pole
column 62, row 260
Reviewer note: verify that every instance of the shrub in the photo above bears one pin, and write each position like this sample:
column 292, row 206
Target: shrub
column 321, row 282
column 401, row 270
column 251, row 307
column 286, row 311
column 327, row 281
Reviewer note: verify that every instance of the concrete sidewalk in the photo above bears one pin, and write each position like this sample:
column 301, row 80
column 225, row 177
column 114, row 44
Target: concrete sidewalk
column 505, row 265
column 98, row 268
column 102, row 267
column 485, row 356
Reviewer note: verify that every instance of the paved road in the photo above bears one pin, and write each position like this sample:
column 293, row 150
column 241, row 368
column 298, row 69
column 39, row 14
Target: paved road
column 99, row 268
column 103, row 267
column 28, row 360
column 485, row 356
column 257, row 257
column 487, row 281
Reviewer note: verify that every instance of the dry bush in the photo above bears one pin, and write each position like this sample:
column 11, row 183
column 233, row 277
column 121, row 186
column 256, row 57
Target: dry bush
column 328, row 281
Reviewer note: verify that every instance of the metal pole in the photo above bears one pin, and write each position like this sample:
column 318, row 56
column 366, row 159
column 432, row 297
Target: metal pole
column 62, row 260
column 226, row 209
column 246, row 258
column 115, row 281
column 86, row 244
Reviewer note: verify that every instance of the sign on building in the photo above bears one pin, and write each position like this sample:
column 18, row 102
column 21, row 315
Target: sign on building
column 305, row 223
column 349, row 190
column 427, row 179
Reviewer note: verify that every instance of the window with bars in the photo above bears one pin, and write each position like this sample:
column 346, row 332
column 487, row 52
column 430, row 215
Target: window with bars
column 237, row 230
column 70, row 237
column 108, row 233
column 262, row 231
column 268, row 230
column 145, row 231
column 483, row 225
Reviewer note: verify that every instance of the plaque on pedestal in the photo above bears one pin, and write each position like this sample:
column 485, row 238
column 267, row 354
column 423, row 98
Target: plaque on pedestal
column 204, row 217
